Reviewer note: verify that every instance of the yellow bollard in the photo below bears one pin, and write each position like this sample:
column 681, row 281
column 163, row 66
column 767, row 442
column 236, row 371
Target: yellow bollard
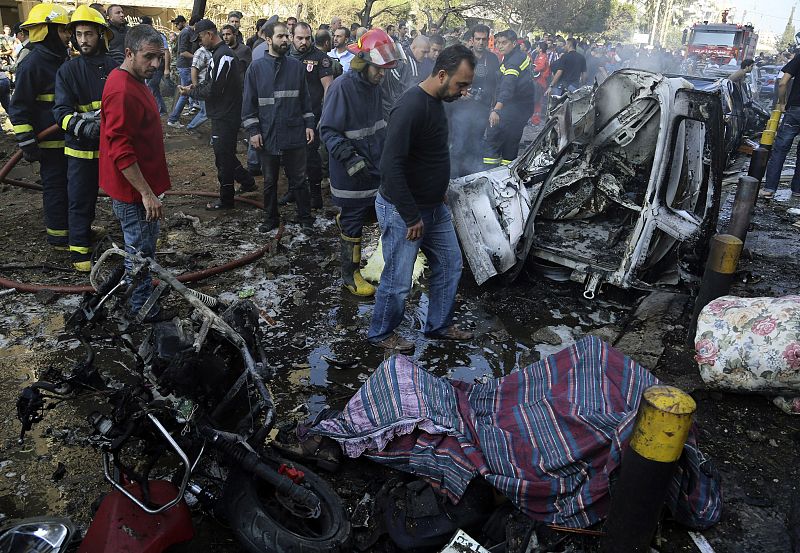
column 648, row 464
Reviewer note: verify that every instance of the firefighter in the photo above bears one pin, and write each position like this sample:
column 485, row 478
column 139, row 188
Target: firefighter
column 31, row 112
column 79, row 89
column 353, row 130
column 513, row 105
column 319, row 76
column 276, row 113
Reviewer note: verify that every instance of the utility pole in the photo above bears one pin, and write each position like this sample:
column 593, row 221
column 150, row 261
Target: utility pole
column 654, row 27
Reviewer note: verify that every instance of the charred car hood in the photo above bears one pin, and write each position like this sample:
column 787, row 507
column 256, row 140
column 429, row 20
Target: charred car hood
column 621, row 186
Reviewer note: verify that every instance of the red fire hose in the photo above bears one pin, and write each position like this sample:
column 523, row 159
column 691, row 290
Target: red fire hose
column 185, row 277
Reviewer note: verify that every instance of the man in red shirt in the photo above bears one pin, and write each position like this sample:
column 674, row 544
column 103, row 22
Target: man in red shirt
column 133, row 165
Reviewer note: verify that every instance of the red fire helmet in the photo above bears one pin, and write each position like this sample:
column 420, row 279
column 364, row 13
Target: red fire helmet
column 378, row 48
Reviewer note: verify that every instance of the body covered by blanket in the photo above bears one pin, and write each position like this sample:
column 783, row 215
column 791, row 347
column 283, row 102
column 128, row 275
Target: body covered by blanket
column 547, row 436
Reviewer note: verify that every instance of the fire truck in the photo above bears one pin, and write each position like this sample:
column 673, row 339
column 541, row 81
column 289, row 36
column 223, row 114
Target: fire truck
column 725, row 41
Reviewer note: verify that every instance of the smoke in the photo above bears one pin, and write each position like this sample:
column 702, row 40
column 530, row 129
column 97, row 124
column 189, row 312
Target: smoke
column 468, row 119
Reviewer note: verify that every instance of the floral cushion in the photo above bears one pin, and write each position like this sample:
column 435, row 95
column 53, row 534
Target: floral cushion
column 750, row 344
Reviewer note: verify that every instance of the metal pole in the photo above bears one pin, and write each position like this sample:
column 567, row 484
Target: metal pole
column 723, row 257
column 758, row 163
column 648, row 464
column 743, row 206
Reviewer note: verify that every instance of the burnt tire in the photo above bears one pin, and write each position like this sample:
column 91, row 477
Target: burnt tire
column 261, row 524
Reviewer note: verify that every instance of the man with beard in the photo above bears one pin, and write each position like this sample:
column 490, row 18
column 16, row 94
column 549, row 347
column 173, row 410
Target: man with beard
column 319, row 75
column 411, row 207
column 79, row 90
column 469, row 115
column 235, row 19
column 222, row 93
column 31, row 112
column 514, row 102
column 133, row 164
column 341, row 37
column 353, row 130
column 276, row 113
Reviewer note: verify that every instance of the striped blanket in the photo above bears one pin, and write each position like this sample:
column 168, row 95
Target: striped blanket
column 548, row 436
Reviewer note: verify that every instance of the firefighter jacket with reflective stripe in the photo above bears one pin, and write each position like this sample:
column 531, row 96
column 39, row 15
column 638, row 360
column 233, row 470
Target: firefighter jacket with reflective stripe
column 31, row 107
column 222, row 89
column 276, row 103
column 516, row 80
column 79, row 89
column 352, row 118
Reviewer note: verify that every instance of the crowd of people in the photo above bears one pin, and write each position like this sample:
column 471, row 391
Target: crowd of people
column 390, row 115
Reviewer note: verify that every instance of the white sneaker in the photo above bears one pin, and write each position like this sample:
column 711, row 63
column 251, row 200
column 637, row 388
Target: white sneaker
column 175, row 124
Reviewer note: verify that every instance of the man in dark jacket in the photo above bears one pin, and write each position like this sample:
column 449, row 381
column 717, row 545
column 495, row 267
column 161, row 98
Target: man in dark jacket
column 353, row 130
column 222, row 93
column 31, row 112
column 319, row 75
column 79, row 90
column 513, row 105
column 276, row 113
column 119, row 28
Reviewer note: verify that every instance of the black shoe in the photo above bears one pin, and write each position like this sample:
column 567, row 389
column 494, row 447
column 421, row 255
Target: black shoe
column 287, row 198
column 267, row 227
column 254, row 171
column 157, row 316
column 249, row 188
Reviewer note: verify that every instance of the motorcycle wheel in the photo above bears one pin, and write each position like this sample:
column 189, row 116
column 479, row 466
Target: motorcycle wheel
column 263, row 521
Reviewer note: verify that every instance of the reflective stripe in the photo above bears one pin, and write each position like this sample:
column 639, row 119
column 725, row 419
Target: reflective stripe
column 25, row 143
column 89, row 107
column 19, row 129
column 366, row 131
column 54, row 232
column 308, row 116
column 353, row 194
column 65, row 121
column 51, row 144
column 266, row 101
column 525, row 64
column 286, row 94
column 249, row 122
column 46, row 98
column 491, row 161
column 82, row 154
column 511, row 72
column 80, row 249
column 506, row 161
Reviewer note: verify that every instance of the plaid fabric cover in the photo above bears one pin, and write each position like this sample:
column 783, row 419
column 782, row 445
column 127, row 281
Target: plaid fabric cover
column 547, row 436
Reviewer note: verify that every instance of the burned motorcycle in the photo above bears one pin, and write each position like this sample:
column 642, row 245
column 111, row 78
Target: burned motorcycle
column 190, row 420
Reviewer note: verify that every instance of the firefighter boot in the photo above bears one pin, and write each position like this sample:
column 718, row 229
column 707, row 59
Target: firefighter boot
column 351, row 268
column 316, row 196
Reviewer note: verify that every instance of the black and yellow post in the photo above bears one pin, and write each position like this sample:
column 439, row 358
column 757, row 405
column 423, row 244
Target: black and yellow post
column 768, row 135
column 743, row 206
column 723, row 257
column 648, row 464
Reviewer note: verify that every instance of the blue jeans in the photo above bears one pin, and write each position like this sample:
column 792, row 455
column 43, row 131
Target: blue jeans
column 440, row 245
column 185, row 74
column 154, row 85
column 199, row 118
column 789, row 129
column 140, row 236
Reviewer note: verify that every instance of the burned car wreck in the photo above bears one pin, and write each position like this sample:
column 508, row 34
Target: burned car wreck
column 621, row 186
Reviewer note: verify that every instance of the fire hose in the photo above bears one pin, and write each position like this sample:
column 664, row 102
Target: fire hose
column 194, row 276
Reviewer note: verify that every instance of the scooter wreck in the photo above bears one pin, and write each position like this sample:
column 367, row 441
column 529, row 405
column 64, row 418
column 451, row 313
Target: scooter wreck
column 189, row 420
column 621, row 186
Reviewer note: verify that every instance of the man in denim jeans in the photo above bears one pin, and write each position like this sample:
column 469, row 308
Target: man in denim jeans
column 787, row 132
column 411, row 208
column 133, row 164
column 183, row 62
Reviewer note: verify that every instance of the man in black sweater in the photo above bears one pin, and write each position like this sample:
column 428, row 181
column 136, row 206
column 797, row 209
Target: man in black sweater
column 222, row 92
column 411, row 208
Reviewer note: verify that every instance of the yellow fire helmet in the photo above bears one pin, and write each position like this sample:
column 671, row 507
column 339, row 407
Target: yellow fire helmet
column 38, row 18
column 85, row 14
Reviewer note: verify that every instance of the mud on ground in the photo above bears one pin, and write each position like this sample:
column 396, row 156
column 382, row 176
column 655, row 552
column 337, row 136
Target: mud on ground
column 750, row 441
